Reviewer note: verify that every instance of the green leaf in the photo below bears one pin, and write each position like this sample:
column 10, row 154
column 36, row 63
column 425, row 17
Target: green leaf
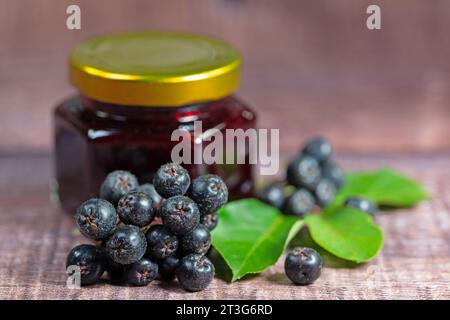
column 252, row 235
column 385, row 187
column 346, row 233
column 222, row 270
column 303, row 239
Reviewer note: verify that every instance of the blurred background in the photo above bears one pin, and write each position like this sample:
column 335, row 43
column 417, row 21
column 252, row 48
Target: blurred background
column 310, row 67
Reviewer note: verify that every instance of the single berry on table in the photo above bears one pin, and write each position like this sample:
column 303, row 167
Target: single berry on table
column 304, row 172
column 303, row 265
column 334, row 173
column 96, row 219
column 325, row 192
column 168, row 266
column 197, row 241
column 149, row 189
column 171, row 179
column 161, row 242
column 180, row 214
column 90, row 262
column 136, row 208
column 364, row 205
column 273, row 195
column 318, row 148
column 209, row 192
column 117, row 184
column 142, row 272
column 299, row 203
column 210, row 220
column 127, row 245
column 195, row 272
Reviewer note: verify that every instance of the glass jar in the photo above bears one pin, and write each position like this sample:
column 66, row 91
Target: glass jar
column 135, row 89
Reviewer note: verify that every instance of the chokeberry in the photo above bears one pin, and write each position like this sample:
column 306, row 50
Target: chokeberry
column 117, row 184
column 304, row 172
column 209, row 192
column 325, row 192
column 168, row 266
column 364, row 205
column 89, row 262
column 319, row 148
column 210, row 220
column 273, row 195
column 303, row 265
column 136, row 208
column 299, row 203
column 180, row 214
column 334, row 173
column 149, row 189
column 171, row 179
column 127, row 245
column 142, row 272
column 115, row 271
column 195, row 272
column 161, row 242
column 197, row 241
column 96, row 219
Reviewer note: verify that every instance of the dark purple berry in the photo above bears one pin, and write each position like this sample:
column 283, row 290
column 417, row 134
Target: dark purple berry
column 142, row 272
column 149, row 189
column 303, row 265
column 96, row 219
column 209, row 192
column 136, row 208
column 325, row 192
column 127, row 245
column 299, row 203
column 168, row 266
column 180, row 214
column 195, row 272
column 89, row 261
column 210, row 220
column 273, row 195
column 115, row 271
column 161, row 242
column 117, row 184
column 318, row 148
column 171, row 180
column 334, row 173
column 304, row 172
column 197, row 241
column 364, row 205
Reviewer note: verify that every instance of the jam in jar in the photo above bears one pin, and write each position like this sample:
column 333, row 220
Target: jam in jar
column 135, row 89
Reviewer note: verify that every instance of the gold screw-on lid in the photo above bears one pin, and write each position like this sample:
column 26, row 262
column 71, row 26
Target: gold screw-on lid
column 155, row 68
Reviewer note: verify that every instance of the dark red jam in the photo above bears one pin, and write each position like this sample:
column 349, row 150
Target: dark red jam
column 94, row 138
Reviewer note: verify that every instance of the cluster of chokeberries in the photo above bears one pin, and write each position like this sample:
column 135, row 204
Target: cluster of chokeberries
column 142, row 231
column 316, row 179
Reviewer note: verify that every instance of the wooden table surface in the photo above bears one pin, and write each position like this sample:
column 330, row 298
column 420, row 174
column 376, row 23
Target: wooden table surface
column 35, row 237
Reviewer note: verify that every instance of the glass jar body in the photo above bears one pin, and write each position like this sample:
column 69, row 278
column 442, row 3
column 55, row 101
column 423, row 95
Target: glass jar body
column 94, row 138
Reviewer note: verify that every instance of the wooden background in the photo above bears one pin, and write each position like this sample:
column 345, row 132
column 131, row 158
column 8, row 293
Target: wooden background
column 310, row 67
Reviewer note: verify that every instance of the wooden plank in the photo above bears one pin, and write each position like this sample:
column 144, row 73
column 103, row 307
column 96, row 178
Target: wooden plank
column 309, row 66
column 35, row 238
